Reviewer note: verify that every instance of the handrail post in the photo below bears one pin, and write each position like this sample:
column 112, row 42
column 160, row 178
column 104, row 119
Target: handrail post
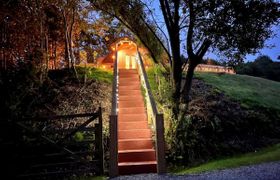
column 113, row 166
column 113, row 125
column 161, row 164
column 100, row 143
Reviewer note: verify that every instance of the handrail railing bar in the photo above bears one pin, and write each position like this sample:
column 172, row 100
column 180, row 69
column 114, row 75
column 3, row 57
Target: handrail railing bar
column 115, row 85
column 158, row 120
column 152, row 101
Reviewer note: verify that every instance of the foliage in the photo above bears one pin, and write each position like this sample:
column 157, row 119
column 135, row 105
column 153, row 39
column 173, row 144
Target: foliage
column 59, row 94
column 78, row 136
column 249, row 91
column 162, row 92
column 259, row 156
column 19, row 87
column 236, row 26
column 263, row 67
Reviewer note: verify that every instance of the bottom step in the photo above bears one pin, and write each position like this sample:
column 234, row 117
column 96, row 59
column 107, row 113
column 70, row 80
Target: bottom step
column 126, row 168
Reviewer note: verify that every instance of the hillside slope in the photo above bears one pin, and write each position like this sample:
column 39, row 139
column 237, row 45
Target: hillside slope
column 231, row 114
column 249, row 90
column 227, row 115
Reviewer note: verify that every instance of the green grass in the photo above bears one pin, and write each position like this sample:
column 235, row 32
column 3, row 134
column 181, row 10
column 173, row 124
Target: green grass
column 265, row 155
column 96, row 73
column 250, row 91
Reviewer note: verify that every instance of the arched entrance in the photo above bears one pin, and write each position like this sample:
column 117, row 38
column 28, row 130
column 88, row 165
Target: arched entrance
column 126, row 51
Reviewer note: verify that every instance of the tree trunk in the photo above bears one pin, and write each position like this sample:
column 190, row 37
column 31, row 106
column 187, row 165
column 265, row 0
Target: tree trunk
column 185, row 95
column 176, row 73
column 42, row 49
column 54, row 59
column 176, row 68
column 47, row 53
column 72, row 57
column 66, row 41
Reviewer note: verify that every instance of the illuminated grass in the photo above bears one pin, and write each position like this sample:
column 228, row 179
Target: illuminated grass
column 98, row 74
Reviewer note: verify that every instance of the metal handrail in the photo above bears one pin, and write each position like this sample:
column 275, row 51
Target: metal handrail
column 144, row 79
column 156, row 117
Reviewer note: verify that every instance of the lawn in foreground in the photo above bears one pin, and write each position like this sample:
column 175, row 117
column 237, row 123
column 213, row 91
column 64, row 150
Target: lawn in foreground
column 249, row 91
column 265, row 155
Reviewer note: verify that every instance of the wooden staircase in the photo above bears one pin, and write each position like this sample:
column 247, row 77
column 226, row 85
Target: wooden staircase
column 136, row 153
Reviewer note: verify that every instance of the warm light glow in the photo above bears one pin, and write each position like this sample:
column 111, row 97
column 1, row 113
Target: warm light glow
column 113, row 48
column 104, row 67
column 113, row 56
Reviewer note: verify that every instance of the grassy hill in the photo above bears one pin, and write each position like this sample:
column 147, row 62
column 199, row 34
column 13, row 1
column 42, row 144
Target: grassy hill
column 228, row 116
column 250, row 91
column 241, row 116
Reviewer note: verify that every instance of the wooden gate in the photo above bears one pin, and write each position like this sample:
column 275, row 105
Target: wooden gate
column 58, row 147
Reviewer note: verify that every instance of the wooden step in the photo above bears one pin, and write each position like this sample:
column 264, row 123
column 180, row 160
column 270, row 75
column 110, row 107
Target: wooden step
column 128, row 79
column 136, row 152
column 133, row 144
column 128, row 71
column 130, row 87
column 131, row 97
column 127, row 74
column 129, row 83
column 132, row 117
column 130, row 92
column 126, row 168
column 134, row 110
column 132, row 125
column 137, row 155
column 134, row 133
column 132, row 103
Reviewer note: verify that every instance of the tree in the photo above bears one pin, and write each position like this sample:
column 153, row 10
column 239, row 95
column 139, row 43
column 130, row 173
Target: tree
column 235, row 28
column 232, row 27
column 263, row 67
column 171, row 14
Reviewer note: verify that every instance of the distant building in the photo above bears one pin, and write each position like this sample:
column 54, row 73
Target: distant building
column 214, row 68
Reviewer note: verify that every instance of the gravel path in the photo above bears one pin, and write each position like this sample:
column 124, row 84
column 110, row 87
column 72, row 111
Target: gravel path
column 265, row 171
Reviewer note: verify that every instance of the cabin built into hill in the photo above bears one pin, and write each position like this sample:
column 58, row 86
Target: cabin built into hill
column 127, row 51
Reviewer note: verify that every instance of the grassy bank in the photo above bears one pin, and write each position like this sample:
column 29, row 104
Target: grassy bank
column 98, row 74
column 250, row 91
column 264, row 155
